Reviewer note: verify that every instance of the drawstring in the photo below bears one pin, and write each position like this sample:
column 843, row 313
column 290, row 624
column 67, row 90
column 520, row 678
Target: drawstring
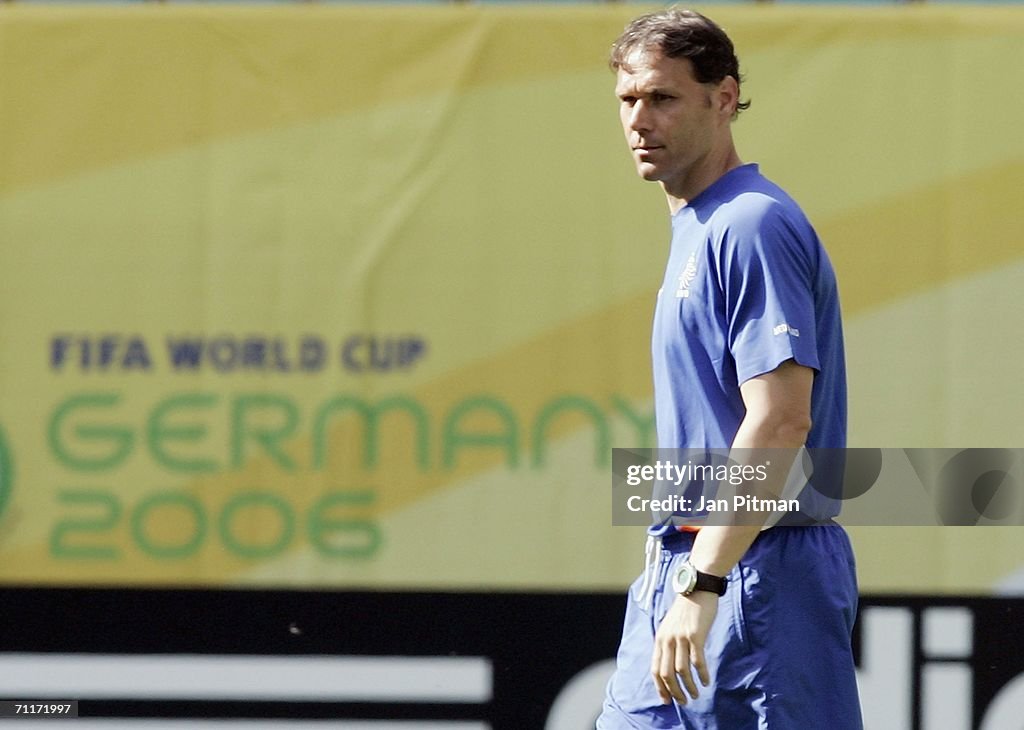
column 652, row 553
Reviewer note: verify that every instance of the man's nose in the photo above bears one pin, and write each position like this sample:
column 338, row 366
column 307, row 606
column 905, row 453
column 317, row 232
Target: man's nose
column 639, row 119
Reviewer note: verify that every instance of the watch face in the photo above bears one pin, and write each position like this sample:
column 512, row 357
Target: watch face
column 685, row 579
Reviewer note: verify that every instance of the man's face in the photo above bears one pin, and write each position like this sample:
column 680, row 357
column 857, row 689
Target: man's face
column 668, row 116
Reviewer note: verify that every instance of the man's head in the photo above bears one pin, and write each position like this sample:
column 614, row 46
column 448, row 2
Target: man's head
column 678, row 33
column 677, row 81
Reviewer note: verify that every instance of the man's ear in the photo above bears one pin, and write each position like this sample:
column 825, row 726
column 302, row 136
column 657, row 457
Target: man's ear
column 727, row 97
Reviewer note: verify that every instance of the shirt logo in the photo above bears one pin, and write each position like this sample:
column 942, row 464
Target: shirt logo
column 685, row 278
column 784, row 328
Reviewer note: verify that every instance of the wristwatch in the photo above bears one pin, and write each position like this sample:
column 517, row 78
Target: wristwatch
column 688, row 579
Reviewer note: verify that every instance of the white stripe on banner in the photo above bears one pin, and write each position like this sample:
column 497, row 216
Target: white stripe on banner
column 143, row 724
column 267, row 678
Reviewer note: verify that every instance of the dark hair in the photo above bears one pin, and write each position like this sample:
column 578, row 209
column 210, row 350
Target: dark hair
column 680, row 33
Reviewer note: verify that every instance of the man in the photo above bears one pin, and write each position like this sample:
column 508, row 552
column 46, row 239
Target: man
column 748, row 354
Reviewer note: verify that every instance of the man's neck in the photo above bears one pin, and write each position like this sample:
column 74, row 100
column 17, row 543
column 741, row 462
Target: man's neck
column 701, row 179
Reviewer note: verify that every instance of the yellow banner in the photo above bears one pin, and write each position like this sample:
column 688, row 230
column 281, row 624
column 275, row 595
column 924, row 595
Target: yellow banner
column 346, row 296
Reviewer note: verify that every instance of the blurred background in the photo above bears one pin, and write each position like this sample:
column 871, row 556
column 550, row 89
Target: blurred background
column 318, row 322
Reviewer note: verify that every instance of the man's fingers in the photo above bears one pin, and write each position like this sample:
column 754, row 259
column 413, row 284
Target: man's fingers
column 699, row 663
column 671, row 661
column 683, row 667
column 667, row 672
column 659, row 685
column 663, row 672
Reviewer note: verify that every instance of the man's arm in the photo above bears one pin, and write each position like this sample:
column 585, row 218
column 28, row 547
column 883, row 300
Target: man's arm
column 778, row 416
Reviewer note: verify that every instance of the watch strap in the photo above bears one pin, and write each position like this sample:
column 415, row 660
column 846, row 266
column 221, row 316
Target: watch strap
column 711, row 583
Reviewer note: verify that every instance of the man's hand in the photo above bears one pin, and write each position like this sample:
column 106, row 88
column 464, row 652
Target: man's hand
column 679, row 646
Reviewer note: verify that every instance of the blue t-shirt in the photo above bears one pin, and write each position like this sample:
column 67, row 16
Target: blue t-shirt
column 748, row 286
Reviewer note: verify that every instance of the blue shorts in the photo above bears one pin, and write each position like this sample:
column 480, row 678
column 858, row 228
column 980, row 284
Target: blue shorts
column 779, row 652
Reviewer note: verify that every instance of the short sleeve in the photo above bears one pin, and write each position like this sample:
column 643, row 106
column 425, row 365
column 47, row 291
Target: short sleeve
column 768, row 272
